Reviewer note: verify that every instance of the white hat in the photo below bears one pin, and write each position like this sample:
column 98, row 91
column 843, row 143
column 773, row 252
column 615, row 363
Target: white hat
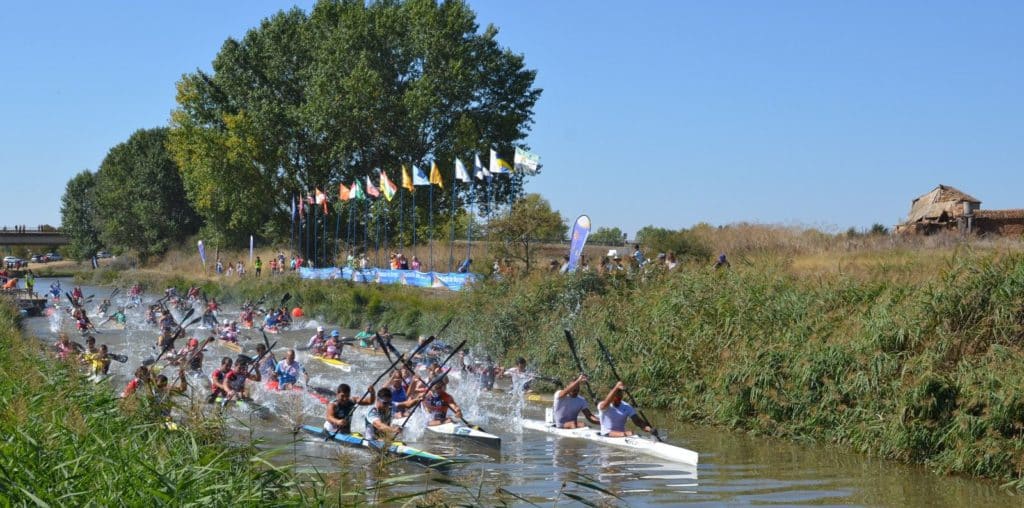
column 319, row 328
column 613, row 253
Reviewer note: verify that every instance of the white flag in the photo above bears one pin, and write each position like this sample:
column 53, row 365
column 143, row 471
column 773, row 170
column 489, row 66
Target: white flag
column 526, row 162
column 479, row 171
column 460, row 172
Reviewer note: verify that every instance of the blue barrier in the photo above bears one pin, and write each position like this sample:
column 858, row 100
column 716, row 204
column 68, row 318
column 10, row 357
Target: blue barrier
column 451, row 281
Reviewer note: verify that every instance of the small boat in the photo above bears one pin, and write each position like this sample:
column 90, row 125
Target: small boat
column 637, row 443
column 459, row 430
column 542, row 398
column 248, row 406
column 337, row 364
column 232, row 345
column 273, row 386
column 396, row 449
column 367, row 350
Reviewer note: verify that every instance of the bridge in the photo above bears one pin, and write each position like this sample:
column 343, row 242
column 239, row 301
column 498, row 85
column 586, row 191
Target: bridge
column 11, row 236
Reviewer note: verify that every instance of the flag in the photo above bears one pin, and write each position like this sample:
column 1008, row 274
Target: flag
column 344, row 193
column 526, row 162
column 321, row 199
column 370, row 189
column 435, row 175
column 418, row 177
column 580, row 231
column 387, row 186
column 302, row 209
column 499, row 166
column 460, row 172
column 406, row 179
column 357, row 191
column 202, row 252
column 293, row 208
column 479, row 171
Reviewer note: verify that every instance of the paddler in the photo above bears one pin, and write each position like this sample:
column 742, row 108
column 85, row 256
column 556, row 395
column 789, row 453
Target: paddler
column 99, row 362
column 234, row 381
column 64, row 347
column 339, row 410
column 142, row 377
column 217, row 380
column 317, row 342
column 568, row 404
column 287, row 374
column 520, row 376
column 332, row 348
column 438, row 401
column 365, row 338
column 614, row 413
column 378, row 418
column 192, row 354
column 268, row 363
column 117, row 317
column 164, row 390
column 399, row 394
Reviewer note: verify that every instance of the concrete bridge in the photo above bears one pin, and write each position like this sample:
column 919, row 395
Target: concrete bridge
column 11, row 236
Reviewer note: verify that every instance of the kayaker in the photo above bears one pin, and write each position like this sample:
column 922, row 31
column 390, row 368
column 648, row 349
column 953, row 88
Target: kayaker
column 378, row 418
column 190, row 353
column 164, row 390
column 99, row 362
column 117, row 317
column 269, row 362
column 217, row 388
column 142, row 377
column 339, row 410
column 317, row 342
column 437, row 402
column 568, row 404
column 365, row 338
column 234, row 381
column 614, row 413
column 520, row 376
column 287, row 373
column 64, row 347
column 332, row 348
column 399, row 394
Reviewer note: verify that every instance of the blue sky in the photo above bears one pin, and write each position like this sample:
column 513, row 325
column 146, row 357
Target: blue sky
column 825, row 114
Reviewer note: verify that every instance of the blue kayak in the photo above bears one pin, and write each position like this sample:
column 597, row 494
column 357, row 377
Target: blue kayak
column 396, row 449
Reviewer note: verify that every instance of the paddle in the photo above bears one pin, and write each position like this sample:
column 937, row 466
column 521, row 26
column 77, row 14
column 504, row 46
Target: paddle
column 117, row 358
column 248, row 372
column 431, row 385
column 181, row 328
column 615, row 372
column 579, row 364
column 391, row 367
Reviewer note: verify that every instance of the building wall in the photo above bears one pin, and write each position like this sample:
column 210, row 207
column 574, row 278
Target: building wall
column 1003, row 227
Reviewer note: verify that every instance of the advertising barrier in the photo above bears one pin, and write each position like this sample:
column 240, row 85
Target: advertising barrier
column 451, row 281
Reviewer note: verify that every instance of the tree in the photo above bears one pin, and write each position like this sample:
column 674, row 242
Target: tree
column 312, row 100
column 78, row 216
column 140, row 200
column 606, row 236
column 529, row 221
column 682, row 242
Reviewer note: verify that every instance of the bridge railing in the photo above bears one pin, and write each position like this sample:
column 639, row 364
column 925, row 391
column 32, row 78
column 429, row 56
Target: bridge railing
column 25, row 230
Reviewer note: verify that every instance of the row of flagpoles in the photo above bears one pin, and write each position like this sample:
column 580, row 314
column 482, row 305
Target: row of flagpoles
column 312, row 225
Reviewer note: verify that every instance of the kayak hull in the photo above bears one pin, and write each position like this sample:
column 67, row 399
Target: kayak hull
column 335, row 363
column 461, row 431
column 637, row 443
column 395, row 449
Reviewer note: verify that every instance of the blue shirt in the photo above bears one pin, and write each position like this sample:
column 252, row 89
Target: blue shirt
column 288, row 373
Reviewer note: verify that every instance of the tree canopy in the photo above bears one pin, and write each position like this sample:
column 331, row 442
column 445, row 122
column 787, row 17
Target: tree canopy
column 606, row 236
column 140, row 202
column 78, row 216
column 682, row 242
column 529, row 221
column 311, row 100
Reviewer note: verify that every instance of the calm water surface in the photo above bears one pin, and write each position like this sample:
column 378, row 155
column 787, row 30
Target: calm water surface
column 735, row 469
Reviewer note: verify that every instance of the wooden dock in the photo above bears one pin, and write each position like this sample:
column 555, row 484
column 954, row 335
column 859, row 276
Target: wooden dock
column 31, row 304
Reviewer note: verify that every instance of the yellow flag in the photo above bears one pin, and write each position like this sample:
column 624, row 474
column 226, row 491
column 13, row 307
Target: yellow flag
column 435, row 175
column 407, row 179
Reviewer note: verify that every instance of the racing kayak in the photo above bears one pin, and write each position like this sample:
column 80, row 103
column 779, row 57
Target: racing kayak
column 637, row 443
column 367, row 350
column 233, row 346
column 543, row 398
column 273, row 386
column 459, row 430
column 248, row 406
column 334, row 362
column 396, row 449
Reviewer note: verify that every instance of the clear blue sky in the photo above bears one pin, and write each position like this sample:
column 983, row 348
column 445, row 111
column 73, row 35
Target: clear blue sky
column 826, row 114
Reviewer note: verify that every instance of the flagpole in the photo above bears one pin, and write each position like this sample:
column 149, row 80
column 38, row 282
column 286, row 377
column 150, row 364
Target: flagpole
column 366, row 225
column 430, row 225
column 401, row 217
column 325, row 238
column 414, row 249
column 376, row 238
column 451, row 237
column 337, row 235
column 291, row 237
column 469, row 221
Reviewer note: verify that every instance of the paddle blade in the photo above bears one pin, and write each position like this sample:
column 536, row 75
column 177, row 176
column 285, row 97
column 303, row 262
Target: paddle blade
column 285, row 298
column 118, row 358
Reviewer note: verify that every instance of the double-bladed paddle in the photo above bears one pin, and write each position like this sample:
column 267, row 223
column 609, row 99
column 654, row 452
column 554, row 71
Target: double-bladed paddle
column 579, row 365
column 611, row 363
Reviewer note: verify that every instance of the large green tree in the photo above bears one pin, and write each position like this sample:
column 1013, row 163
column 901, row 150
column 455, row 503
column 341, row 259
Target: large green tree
column 141, row 204
column 78, row 216
column 309, row 100
column 528, row 222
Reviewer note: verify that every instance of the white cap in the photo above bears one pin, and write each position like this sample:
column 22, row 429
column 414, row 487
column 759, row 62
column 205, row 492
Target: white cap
column 319, row 328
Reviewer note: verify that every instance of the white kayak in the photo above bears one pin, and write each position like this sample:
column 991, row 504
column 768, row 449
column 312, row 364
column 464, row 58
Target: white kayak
column 459, row 430
column 638, row 443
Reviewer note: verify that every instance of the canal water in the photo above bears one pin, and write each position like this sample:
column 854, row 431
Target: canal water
column 734, row 469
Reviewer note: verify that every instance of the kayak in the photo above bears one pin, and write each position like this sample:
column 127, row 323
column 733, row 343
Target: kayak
column 246, row 405
column 98, row 378
column 543, row 398
column 459, row 430
column 273, row 386
column 334, row 362
column 396, row 449
column 636, row 443
column 368, row 350
column 233, row 346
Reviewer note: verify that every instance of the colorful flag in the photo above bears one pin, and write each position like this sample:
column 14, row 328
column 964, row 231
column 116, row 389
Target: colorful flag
column 387, row 186
column 580, row 231
column 371, row 189
column 418, row 177
column 499, row 166
column 321, row 199
column 479, row 171
column 435, row 175
column 357, row 191
column 460, row 172
column 526, row 162
column 406, row 179
column 344, row 194
column 202, row 252
column 293, row 208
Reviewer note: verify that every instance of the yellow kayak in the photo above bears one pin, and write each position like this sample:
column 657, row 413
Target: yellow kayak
column 544, row 398
column 337, row 364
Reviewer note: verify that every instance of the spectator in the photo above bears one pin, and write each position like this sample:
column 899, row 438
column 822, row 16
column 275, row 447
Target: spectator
column 464, row 266
column 721, row 262
column 638, row 256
